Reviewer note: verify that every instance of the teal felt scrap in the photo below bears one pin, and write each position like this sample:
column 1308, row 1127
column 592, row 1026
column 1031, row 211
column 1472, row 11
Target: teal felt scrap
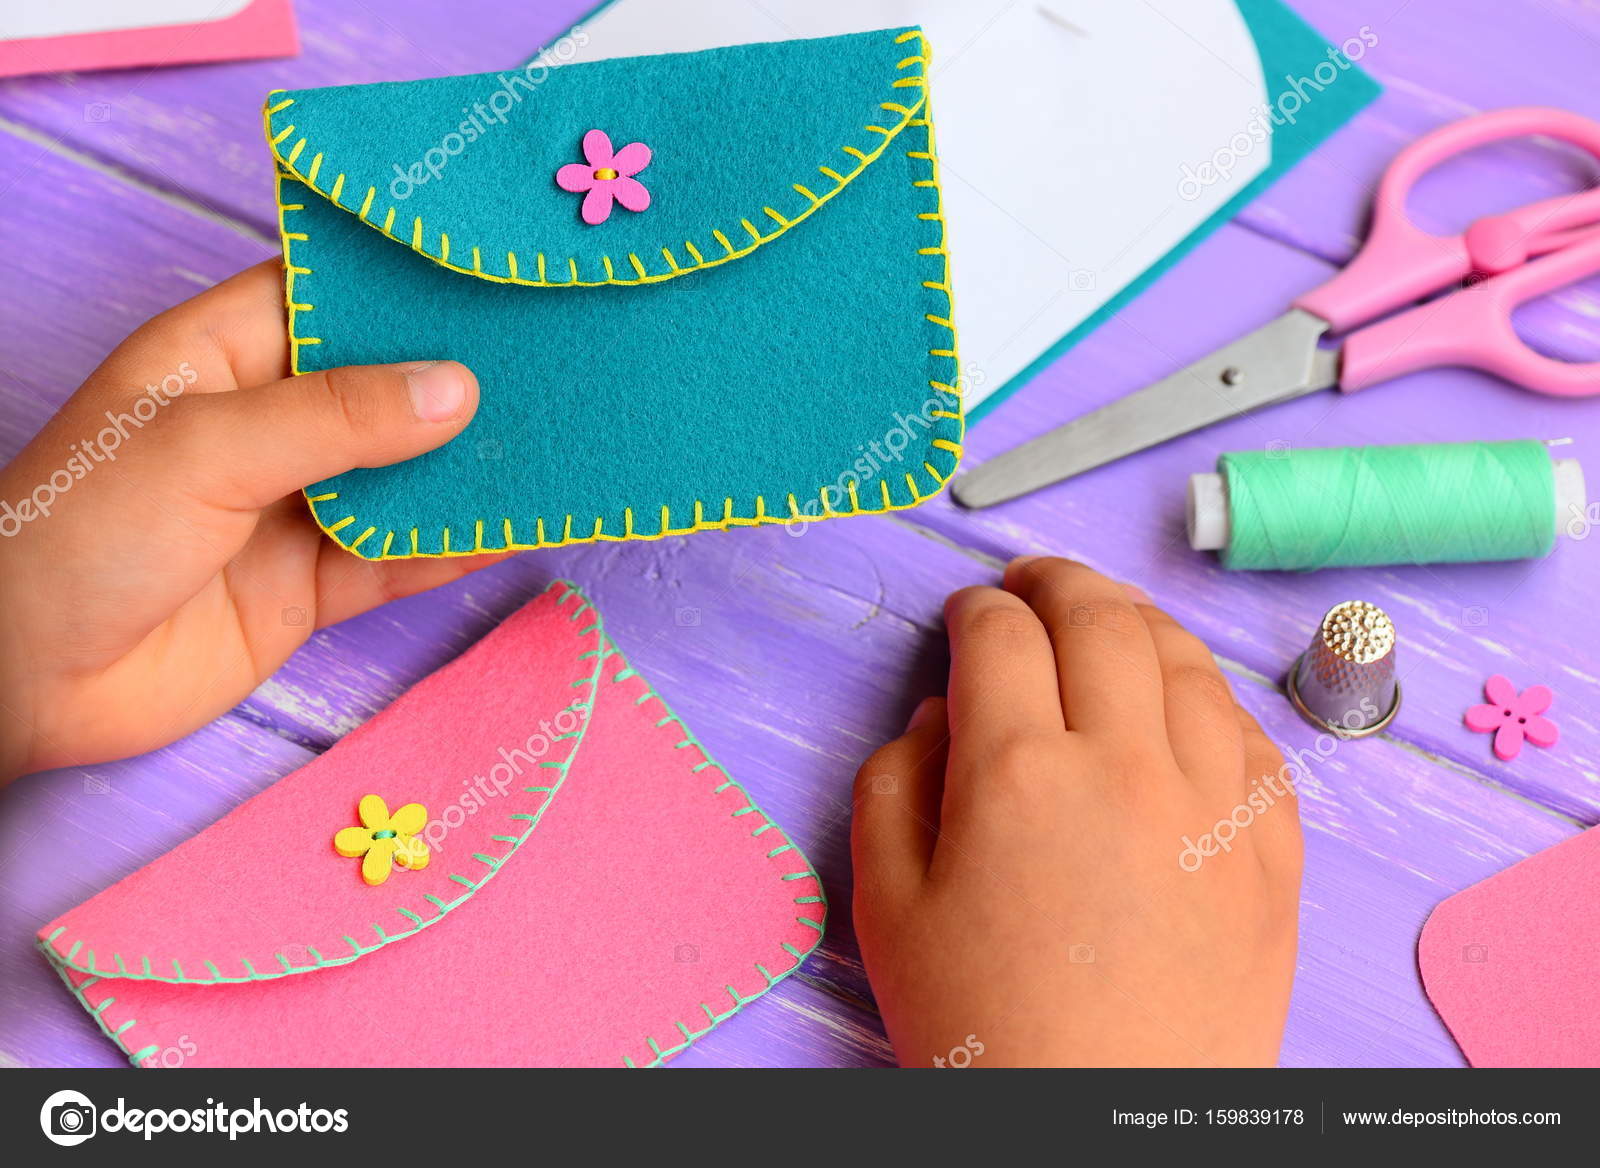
column 770, row 338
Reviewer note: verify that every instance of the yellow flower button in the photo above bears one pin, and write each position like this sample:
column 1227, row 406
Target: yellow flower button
column 383, row 839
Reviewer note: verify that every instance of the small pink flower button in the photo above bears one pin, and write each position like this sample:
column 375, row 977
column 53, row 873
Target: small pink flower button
column 607, row 176
column 1511, row 716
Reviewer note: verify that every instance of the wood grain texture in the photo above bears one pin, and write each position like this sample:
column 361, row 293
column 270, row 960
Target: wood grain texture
column 792, row 657
column 94, row 254
column 66, row 834
column 1458, row 624
column 198, row 131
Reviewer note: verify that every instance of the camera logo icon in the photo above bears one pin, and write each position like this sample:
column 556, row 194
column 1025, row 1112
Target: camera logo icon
column 68, row 1118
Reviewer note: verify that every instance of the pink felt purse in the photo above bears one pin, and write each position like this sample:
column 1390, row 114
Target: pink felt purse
column 594, row 889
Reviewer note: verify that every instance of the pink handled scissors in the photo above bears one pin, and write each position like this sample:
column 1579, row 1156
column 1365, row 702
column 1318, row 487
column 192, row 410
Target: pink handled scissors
column 1522, row 254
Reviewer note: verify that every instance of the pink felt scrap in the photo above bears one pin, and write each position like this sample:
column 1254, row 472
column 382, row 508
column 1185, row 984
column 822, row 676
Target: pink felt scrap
column 1511, row 964
column 599, row 891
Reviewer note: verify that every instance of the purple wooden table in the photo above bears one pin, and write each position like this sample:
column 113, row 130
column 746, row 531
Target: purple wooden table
column 126, row 192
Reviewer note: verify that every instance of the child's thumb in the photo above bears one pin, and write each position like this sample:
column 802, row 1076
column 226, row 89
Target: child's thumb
column 253, row 446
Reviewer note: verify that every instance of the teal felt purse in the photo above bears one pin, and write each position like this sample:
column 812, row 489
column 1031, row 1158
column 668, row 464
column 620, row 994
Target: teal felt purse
column 729, row 307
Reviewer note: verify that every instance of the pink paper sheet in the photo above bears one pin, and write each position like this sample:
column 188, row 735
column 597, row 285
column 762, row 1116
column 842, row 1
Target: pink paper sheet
column 261, row 28
column 629, row 901
column 1513, row 964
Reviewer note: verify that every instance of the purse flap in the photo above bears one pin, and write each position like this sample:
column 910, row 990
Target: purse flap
column 264, row 893
column 737, row 146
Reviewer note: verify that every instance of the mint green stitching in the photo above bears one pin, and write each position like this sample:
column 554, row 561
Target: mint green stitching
column 385, row 938
column 714, row 1019
column 77, row 992
column 136, row 1058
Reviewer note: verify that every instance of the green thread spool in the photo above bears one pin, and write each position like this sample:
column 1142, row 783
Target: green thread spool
column 1348, row 506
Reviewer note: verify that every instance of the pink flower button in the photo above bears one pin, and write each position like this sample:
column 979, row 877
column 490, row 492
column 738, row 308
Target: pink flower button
column 607, row 176
column 1511, row 716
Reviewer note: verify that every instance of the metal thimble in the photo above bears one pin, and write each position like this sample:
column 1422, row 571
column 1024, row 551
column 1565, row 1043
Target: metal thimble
column 1345, row 682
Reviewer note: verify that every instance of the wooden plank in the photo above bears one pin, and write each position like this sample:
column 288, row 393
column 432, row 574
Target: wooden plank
column 1438, row 65
column 91, row 255
column 798, row 1024
column 791, row 713
column 1458, row 623
column 806, row 652
column 66, row 834
column 198, row 131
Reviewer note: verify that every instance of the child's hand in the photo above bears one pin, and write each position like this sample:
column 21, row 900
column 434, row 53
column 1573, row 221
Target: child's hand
column 1019, row 888
column 177, row 566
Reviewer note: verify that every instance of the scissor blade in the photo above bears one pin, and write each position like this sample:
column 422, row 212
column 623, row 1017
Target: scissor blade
column 1277, row 362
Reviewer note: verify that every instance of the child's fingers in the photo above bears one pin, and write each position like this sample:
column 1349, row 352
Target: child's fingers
column 229, row 336
column 245, row 450
column 1202, row 722
column 348, row 586
column 1106, row 664
column 244, row 314
column 895, row 819
column 1002, row 679
column 1276, row 831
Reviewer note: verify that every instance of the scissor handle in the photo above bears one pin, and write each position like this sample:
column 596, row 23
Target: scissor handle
column 1473, row 327
column 1401, row 263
